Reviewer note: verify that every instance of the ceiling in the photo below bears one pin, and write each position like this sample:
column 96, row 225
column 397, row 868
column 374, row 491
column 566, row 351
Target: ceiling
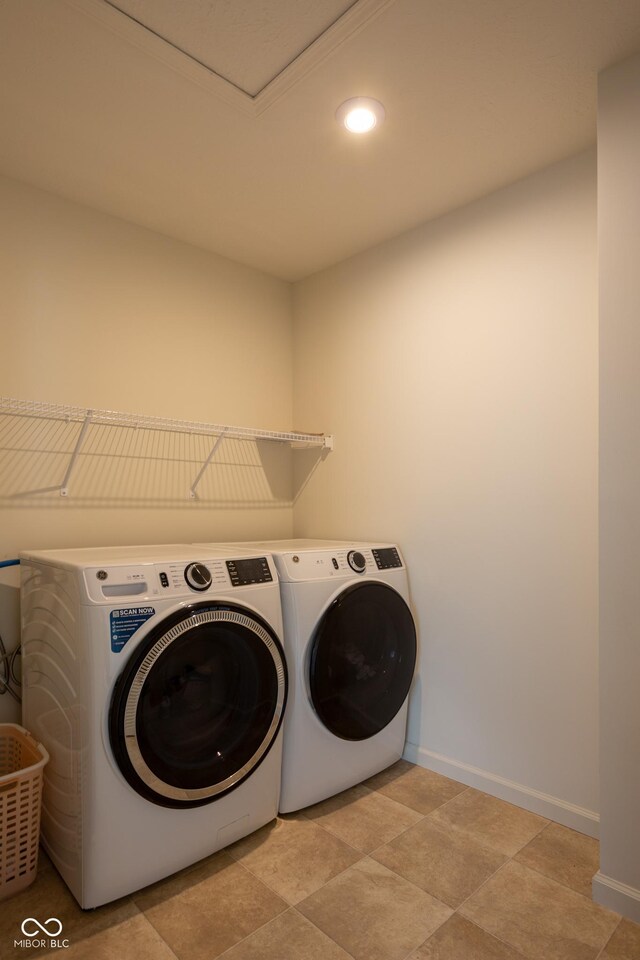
column 213, row 121
column 248, row 43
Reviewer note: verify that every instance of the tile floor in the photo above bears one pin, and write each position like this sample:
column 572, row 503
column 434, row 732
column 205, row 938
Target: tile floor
column 408, row 865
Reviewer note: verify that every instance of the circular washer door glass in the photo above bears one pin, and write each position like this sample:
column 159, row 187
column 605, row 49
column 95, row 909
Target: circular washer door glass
column 198, row 705
column 363, row 656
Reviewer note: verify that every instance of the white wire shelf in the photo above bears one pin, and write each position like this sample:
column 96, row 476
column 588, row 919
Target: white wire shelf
column 112, row 418
column 90, row 418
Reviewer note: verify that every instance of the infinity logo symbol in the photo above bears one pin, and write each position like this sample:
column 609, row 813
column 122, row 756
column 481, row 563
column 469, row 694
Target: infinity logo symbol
column 32, row 932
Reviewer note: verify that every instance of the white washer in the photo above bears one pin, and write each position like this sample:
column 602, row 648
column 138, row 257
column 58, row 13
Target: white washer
column 156, row 679
column 350, row 642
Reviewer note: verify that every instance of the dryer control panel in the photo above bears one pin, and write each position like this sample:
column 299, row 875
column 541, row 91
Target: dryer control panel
column 337, row 562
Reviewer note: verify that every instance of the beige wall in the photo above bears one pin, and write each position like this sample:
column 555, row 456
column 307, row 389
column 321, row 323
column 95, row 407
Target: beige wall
column 97, row 312
column 618, row 883
column 457, row 367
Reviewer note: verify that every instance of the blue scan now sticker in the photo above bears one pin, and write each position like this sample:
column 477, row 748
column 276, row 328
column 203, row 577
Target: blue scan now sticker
column 124, row 623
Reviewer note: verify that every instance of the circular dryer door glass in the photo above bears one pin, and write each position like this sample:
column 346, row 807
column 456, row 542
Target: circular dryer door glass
column 198, row 705
column 363, row 655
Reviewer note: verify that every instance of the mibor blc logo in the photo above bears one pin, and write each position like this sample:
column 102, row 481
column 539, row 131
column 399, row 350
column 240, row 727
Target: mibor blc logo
column 38, row 934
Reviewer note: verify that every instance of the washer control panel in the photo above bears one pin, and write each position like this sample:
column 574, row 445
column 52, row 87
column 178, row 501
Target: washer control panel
column 134, row 583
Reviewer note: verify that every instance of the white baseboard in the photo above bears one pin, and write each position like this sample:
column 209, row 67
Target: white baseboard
column 616, row 896
column 568, row 814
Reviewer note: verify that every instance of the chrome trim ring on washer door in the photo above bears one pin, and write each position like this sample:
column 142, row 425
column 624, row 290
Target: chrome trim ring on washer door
column 194, row 619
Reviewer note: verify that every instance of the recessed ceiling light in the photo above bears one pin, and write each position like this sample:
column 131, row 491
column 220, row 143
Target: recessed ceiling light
column 360, row 114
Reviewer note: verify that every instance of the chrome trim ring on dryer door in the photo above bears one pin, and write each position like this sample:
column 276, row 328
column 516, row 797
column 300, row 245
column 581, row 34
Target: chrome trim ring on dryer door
column 136, row 758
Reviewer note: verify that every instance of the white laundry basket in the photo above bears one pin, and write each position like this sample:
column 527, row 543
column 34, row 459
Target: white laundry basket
column 22, row 761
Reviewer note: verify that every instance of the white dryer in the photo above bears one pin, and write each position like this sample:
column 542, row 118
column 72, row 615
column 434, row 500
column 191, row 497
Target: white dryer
column 157, row 681
column 350, row 641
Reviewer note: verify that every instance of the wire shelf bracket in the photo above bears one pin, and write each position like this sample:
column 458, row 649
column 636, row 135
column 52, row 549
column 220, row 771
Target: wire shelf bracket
column 64, row 486
column 214, row 449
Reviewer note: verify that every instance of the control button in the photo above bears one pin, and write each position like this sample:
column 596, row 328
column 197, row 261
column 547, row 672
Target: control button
column 164, row 580
column 197, row 576
column 335, row 563
column 356, row 561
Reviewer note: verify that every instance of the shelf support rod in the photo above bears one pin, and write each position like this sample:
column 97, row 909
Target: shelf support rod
column 64, row 486
column 192, row 493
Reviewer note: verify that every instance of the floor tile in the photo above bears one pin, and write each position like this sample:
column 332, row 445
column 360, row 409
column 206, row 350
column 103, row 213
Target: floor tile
column 422, row 790
column 395, row 904
column 625, row 942
column 540, row 917
column 493, row 822
column 204, row 911
column 459, row 939
column 134, row 939
column 446, row 863
column 373, row 913
column 294, row 857
column 564, row 855
column 363, row 818
column 289, row 937
column 49, row 896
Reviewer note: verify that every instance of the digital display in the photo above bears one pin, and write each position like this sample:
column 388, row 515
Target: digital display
column 386, row 558
column 253, row 570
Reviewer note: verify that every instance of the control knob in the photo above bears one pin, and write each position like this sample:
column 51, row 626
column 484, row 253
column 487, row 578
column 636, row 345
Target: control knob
column 197, row 576
column 356, row 561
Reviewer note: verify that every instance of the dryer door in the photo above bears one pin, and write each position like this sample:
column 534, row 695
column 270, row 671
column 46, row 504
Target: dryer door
column 363, row 655
column 198, row 705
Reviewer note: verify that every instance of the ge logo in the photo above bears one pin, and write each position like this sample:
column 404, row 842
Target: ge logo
column 51, row 927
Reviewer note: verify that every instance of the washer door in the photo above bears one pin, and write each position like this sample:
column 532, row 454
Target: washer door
column 198, row 705
column 363, row 655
